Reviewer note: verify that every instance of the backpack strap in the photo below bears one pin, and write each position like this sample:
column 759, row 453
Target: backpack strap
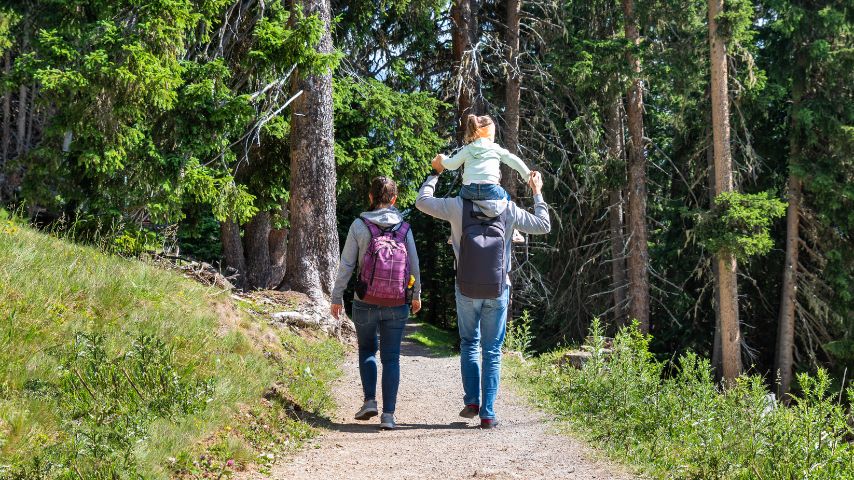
column 400, row 230
column 375, row 230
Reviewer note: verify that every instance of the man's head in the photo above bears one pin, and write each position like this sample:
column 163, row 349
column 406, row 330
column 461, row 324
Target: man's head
column 479, row 127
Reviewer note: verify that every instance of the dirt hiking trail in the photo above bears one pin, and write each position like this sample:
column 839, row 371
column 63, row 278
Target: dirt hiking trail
column 432, row 441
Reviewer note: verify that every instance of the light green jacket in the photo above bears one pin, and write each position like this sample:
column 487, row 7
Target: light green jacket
column 482, row 159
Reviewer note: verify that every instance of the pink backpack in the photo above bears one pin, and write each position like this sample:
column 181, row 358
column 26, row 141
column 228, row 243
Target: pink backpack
column 384, row 274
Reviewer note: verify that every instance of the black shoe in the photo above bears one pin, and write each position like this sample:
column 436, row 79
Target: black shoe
column 470, row 411
column 488, row 423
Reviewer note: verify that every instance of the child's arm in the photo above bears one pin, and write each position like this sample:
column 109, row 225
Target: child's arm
column 454, row 162
column 515, row 163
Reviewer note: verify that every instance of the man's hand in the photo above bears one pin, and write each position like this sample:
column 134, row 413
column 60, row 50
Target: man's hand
column 336, row 310
column 536, row 182
column 416, row 306
column 437, row 163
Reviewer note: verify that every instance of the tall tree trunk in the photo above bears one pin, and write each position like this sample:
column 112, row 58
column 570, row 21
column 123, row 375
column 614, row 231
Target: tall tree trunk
column 21, row 139
column 257, row 247
column 512, row 97
column 717, row 356
column 616, row 146
column 726, row 262
column 464, row 35
column 784, row 362
column 784, row 359
column 232, row 250
column 638, row 259
column 7, row 111
column 312, row 250
column 32, row 117
column 278, row 244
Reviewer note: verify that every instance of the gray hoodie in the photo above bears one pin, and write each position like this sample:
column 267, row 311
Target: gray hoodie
column 451, row 210
column 356, row 245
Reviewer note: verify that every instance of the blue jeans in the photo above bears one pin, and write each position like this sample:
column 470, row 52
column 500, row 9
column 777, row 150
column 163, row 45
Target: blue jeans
column 380, row 327
column 483, row 191
column 482, row 324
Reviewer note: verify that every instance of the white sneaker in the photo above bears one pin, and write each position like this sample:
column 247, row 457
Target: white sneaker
column 387, row 421
column 368, row 410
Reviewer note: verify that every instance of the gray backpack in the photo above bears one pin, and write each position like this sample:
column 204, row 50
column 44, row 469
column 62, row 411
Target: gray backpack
column 482, row 268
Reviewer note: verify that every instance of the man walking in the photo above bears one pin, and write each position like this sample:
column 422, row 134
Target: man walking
column 479, row 235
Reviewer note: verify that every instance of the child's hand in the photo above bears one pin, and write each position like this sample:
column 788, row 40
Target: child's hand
column 437, row 162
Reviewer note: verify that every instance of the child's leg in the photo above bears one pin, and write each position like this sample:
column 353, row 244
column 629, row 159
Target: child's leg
column 469, row 192
column 493, row 191
column 483, row 191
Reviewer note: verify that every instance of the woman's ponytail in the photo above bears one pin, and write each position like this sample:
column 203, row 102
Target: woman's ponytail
column 383, row 190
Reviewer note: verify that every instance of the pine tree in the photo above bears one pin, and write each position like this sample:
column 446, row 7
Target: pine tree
column 312, row 257
column 638, row 260
column 726, row 263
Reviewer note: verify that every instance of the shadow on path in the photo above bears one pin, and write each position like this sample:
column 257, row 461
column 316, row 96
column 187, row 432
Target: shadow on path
column 325, row 423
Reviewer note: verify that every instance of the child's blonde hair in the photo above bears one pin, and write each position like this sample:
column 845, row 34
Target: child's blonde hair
column 473, row 124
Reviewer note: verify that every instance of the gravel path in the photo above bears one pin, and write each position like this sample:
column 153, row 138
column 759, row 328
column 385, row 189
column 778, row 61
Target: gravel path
column 432, row 441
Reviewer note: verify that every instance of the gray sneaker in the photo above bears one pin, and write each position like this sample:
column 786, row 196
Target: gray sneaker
column 387, row 421
column 368, row 410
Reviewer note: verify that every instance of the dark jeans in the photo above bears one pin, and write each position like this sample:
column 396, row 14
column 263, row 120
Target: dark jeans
column 483, row 191
column 380, row 328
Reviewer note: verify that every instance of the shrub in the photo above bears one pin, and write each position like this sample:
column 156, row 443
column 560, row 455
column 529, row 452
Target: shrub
column 682, row 425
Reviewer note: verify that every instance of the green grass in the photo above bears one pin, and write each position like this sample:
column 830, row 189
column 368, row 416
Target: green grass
column 439, row 341
column 680, row 424
column 112, row 368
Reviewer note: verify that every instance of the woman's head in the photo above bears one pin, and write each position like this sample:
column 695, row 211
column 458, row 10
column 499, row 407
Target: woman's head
column 383, row 193
column 479, row 127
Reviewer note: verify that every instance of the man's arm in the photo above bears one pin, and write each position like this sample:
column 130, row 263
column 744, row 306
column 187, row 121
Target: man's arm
column 429, row 204
column 536, row 223
column 539, row 222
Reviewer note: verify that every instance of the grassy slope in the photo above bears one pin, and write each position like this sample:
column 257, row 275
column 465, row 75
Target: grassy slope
column 52, row 290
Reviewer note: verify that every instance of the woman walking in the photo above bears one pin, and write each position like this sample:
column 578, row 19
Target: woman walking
column 389, row 281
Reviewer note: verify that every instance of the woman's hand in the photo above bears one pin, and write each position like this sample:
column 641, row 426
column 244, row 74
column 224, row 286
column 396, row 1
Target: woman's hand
column 336, row 310
column 416, row 306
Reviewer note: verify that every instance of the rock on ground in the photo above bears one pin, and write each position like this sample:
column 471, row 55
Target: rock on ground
column 432, row 441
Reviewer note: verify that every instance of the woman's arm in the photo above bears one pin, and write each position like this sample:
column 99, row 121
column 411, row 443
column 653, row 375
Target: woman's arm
column 349, row 260
column 414, row 267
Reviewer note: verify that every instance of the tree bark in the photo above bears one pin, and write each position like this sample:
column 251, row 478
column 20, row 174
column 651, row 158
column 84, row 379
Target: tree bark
column 784, row 358
column 784, row 361
column 232, row 251
column 464, row 35
column 7, row 111
column 512, row 97
column 32, row 117
column 717, row 356
column 21, row 139
column 726, row 262
column 616, row 146
column 638, row 259
column 312, row 250
column 257, row 247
